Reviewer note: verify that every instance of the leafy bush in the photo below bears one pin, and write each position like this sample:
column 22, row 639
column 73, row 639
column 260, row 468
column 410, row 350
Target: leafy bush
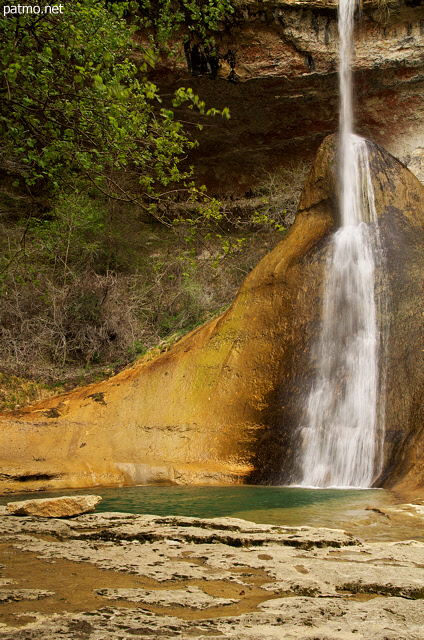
column 75, row 108
column 88, row 281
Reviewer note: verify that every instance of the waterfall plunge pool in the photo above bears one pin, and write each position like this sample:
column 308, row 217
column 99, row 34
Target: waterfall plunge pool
column 354, row 510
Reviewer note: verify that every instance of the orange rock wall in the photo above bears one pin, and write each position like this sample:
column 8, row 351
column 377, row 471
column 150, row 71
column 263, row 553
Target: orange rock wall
column 225, row 403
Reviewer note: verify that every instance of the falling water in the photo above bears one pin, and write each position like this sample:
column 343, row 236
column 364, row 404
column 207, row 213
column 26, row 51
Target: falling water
column 340, row 439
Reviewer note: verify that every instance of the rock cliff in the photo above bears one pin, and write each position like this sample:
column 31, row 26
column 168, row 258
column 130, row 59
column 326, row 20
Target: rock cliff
column 196, row 413
column 224, row 404
column 275, row 67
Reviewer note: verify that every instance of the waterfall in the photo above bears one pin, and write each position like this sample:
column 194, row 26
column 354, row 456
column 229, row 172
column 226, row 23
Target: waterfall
column 341, row 433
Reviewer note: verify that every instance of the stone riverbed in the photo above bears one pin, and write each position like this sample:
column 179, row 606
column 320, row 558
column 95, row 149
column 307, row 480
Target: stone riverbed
column 123, row 576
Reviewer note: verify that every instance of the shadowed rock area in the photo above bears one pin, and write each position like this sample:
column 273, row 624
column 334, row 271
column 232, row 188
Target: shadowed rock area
column 225, row 403
column 275, row 66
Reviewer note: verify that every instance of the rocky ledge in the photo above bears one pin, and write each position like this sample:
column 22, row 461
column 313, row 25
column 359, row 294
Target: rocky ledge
column 115, row 575
column 275, row 67
column 63, row 507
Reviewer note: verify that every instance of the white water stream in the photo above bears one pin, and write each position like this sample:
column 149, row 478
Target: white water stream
column 341, row 445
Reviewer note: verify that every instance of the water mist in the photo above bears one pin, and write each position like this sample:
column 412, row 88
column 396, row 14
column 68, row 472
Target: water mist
column 342, row 434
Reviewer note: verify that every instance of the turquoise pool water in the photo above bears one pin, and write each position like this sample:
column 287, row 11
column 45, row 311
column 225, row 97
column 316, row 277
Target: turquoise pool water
column 274, row 505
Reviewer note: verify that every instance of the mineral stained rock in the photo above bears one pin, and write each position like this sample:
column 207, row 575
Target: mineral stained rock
column 63, row 507
column 225, row 403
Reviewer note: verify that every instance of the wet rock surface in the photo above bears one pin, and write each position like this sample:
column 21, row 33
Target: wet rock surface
column 117, row 575
column 191, row 597
column 15, row 595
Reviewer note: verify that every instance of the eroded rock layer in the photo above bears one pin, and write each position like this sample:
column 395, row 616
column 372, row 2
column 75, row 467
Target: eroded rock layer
column 116, row 575
column 275, row 66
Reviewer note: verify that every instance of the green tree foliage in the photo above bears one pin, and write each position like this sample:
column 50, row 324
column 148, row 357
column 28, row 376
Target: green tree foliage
column 197, row 18
column 89, row 144
column 75, row 109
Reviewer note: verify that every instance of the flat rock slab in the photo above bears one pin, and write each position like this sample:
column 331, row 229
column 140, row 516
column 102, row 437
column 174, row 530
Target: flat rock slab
column 16, row 595
column 401, row 512
column 192, row 597
column 108, row 576
column 63, row 507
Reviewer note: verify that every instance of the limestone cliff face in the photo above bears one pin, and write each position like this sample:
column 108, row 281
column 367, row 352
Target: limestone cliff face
column 225, row 403
column 276, row 69
column 201, row 412
column 400, row 204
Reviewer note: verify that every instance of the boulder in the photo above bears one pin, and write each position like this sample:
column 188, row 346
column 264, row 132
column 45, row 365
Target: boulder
column 63, row 507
